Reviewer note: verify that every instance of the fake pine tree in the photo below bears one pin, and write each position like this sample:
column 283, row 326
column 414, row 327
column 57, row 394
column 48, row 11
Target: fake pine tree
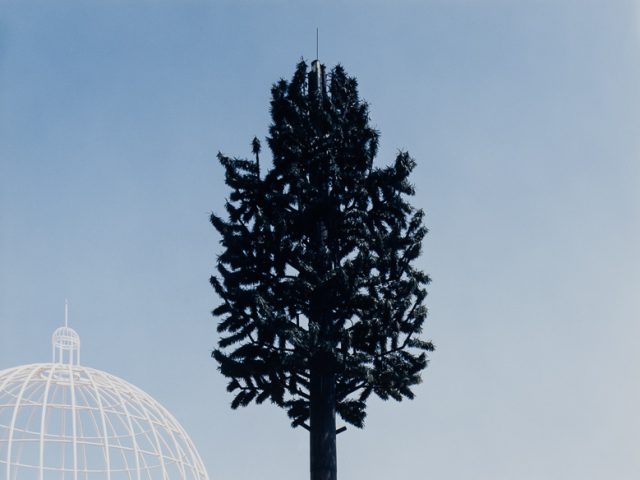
column 321, row 302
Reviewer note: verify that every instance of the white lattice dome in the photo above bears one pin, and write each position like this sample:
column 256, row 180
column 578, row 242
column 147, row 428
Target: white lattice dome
column 64, row 421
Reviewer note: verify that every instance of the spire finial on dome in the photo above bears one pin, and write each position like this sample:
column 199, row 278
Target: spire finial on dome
column 66, row 342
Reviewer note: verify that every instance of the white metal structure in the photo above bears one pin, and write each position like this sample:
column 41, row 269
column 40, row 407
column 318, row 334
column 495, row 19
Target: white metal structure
column 64, row 421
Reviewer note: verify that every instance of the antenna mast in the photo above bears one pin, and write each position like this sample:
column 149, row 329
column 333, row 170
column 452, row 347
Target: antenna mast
column 316, row 67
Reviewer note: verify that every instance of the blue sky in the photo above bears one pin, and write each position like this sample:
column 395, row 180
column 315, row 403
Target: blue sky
column 524, row 118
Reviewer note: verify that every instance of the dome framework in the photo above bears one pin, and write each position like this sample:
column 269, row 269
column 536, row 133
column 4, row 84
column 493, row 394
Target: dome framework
column 64, row 421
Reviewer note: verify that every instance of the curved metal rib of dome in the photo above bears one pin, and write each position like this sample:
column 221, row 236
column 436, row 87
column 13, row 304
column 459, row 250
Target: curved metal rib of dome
column 64, row 421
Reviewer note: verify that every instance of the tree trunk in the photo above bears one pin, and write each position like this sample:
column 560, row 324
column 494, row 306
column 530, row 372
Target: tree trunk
column 322, row 388
column 322, row 423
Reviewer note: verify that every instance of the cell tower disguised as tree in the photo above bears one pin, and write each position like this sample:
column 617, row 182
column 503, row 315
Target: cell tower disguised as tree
column 321, row 302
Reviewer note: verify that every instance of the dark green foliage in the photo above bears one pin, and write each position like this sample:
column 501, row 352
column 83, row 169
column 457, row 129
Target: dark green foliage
column 318, row 258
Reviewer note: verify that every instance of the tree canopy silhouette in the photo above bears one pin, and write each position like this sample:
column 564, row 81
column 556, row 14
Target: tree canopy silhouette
column 322, row 304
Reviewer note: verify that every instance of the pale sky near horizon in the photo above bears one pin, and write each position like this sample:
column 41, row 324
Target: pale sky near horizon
column 524, row 118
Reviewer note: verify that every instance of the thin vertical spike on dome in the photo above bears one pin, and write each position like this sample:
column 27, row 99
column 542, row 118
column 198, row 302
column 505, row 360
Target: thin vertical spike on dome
column 66, row 342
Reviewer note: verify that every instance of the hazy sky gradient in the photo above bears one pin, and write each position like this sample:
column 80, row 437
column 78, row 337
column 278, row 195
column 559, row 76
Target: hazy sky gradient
column 524, row 117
